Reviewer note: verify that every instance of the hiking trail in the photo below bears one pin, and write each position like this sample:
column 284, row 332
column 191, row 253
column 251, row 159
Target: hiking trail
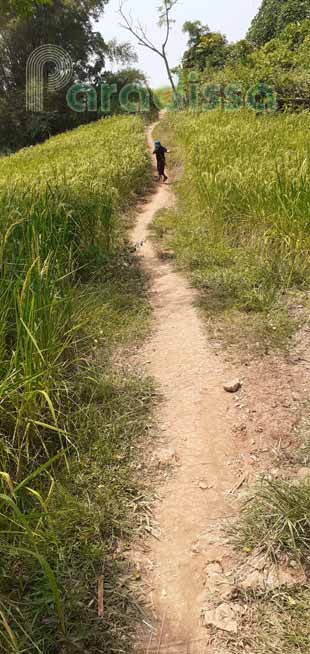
column 194, row 421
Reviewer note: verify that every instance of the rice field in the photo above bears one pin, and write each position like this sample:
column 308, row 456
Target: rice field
column 243, row 231
column 61, row 231
column 59, row 220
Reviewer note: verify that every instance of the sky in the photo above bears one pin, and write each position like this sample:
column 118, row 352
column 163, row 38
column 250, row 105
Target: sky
column 231, row 17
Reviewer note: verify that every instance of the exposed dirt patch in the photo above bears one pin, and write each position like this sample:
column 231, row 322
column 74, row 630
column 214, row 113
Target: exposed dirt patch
column 274, row 402
column 212, row 444
column 195, row 420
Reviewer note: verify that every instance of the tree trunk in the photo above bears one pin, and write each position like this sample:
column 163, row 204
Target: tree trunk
column 175, row 95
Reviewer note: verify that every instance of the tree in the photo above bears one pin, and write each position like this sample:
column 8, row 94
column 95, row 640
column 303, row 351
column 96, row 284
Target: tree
column 18, row 8
column 195, row 30
column 139, row 32
column 65, row 23
column 274, row 15
column 240, row 52
column 69, row 24
column 205, row 48
column 283, row 64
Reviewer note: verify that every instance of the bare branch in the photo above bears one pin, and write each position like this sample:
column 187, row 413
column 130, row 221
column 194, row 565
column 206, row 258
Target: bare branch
column 167, row 25
column 164, row 18
column 137, row 31
column 145, row 36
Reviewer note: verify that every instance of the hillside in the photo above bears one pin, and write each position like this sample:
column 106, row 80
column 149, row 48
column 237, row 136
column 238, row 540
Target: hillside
column 69, row 293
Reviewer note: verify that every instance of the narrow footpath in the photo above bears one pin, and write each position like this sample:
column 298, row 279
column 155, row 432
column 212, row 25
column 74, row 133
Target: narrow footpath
column 194, row 423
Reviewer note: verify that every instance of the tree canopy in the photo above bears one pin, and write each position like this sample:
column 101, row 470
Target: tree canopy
column 274, row 15
column 205, row 48
column 283, row 63
column 15, row 8
column 66, row 23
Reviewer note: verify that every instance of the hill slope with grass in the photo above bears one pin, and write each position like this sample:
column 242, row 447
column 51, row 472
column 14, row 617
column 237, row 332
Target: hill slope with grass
column 70, row 292
column 240, row 230
column 243, row 232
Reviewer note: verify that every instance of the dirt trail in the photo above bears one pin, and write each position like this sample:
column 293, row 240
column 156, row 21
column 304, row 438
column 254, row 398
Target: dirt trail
column 195, row 420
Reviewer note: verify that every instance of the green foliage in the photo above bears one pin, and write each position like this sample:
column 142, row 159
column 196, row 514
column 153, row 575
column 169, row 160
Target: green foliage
column 67, row 424
column 205, row 48
column 276, row 519
column 68, row 526
column 63, row 23
column 283, row 63
column 274, row 16
column 19, row 8
column 243, row 232
column 58, row 224
column 164, row 97
column 60, row 22
column 240, row 52
column 275, row 52
column 195, row 30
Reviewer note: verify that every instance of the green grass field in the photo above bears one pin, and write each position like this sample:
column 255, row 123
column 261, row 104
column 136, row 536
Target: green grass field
column 72, row 295
column 243, row 232
column 69, row 424
column 163, row 96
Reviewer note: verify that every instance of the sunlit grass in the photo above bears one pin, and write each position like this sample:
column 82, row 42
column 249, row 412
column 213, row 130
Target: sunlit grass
column 69, row 292
column 241, row 229
column 245, row 225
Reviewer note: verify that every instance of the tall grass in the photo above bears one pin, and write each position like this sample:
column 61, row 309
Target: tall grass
column 277, row 519
column 241, row 229
column 244, row 230
column 163, row 96
column 60, row 206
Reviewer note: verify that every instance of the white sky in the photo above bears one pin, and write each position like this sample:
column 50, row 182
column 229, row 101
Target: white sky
column 232, row 17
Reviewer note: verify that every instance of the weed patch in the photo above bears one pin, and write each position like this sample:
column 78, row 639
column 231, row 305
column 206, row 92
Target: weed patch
column 277, row 519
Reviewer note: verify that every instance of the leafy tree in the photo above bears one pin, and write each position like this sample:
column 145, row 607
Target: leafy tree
column 15, row 8
column 69, row 24
column 205, row 48
column 66, row 23
column 240, row 52
column 195, row 30
column 283, row 63
column 277, row 52
column 274, row 15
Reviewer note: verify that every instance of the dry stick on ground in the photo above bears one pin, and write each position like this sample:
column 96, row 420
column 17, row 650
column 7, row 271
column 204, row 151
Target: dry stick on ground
column 238, row 485
column 150, row 643
column 139, row 32
column 100, row 596
column 161, row 632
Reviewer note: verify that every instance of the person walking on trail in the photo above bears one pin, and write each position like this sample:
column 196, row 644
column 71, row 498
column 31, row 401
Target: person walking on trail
column 160, row 152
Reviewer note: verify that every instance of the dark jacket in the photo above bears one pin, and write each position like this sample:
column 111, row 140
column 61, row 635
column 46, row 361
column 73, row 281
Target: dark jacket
column 161, row 160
